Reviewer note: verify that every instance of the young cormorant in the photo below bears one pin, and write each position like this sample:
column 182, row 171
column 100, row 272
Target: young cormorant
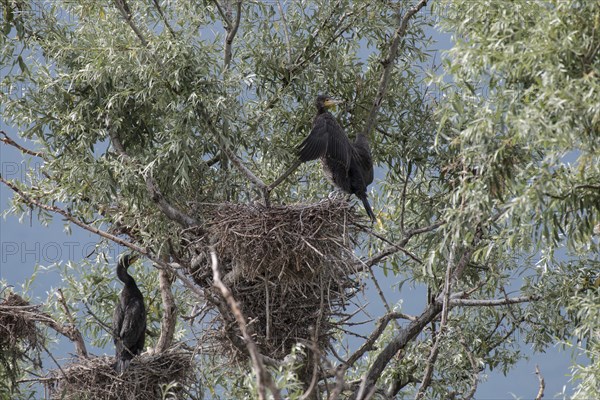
column 349, row 166
column 129, row 319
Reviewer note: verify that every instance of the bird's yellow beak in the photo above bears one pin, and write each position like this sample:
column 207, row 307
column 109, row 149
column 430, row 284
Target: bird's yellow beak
column 134, row 258
column 329, row 103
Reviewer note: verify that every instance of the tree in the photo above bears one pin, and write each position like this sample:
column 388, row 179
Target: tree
column 146, row 113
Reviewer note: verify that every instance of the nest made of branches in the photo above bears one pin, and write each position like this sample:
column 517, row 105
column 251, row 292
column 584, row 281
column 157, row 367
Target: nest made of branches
column 17, row 323
column 291, row 268
column 20, row 338
column 146, row 378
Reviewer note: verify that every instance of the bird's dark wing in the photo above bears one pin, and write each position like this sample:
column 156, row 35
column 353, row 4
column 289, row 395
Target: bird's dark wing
column 362, row 154
column 117, row 323
column 134, row 325
column 326, row 139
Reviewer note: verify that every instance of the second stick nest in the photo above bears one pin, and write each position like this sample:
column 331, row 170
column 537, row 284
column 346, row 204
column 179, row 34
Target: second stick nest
column 291, row 268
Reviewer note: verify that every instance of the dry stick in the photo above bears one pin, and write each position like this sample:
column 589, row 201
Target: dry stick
column 77, row 338
column 540, row 393
column 388, row 64
column 11, row 142
column 263, row 378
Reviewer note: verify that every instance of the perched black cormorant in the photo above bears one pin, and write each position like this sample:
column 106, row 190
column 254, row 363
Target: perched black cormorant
column 129, row 319
column 347, row 165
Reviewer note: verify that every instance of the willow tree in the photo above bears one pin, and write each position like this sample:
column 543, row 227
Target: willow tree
column 147, row 114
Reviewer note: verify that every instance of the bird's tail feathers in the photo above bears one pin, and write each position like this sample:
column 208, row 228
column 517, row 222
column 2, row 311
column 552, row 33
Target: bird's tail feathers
column 121, row 365
column 368, row 208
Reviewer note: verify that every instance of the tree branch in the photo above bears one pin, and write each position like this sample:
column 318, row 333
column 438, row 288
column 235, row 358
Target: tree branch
column 492, row 302
column 123, row 7
column 76, row 335
column 231, row 32
column 263, row 378
column 398, row 342
column 33, row 202
column 285, row 31
column 435, row 349
column 7, row 140
column 164, row 18
column 393, row 249
column 388, row 64
column 156, row 195
column 540, row 393
column 169, row 317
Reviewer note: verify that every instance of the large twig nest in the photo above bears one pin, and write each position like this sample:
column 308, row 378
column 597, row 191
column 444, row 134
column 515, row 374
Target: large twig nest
column 146, row 378
column 291, row 268
column 20, row 338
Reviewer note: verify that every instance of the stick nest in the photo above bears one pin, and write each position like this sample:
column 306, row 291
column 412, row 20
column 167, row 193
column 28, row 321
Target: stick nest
column 20, row 339
column 291, row 269
column 17, row 323
column 145, row 379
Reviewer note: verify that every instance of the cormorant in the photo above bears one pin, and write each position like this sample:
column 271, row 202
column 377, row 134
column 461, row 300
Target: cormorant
column 129, row 318
column 349, row 166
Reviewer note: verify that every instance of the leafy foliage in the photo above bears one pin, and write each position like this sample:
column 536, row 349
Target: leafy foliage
column 498, row 156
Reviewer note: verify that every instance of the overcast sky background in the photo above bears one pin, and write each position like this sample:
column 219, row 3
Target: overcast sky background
column 27, row 244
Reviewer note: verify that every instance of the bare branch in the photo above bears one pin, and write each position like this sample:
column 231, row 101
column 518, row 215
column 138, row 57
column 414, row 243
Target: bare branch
column 231, row 32
column 263, row 378
column 393, row 249
column 169, row 317
column 492, row 302
column 368, row 344
column 76, row 335
column 540, row 393
column 7, row 140
column 245, row 170
column 388, row 64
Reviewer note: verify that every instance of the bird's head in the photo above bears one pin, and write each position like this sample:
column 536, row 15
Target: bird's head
column 125, row 260
column 325, row 102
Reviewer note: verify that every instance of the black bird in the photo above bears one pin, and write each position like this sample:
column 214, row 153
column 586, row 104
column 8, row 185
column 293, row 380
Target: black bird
column 129, row 318
column 349, row 166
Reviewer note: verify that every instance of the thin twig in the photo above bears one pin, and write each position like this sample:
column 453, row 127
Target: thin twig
column 164, row 18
